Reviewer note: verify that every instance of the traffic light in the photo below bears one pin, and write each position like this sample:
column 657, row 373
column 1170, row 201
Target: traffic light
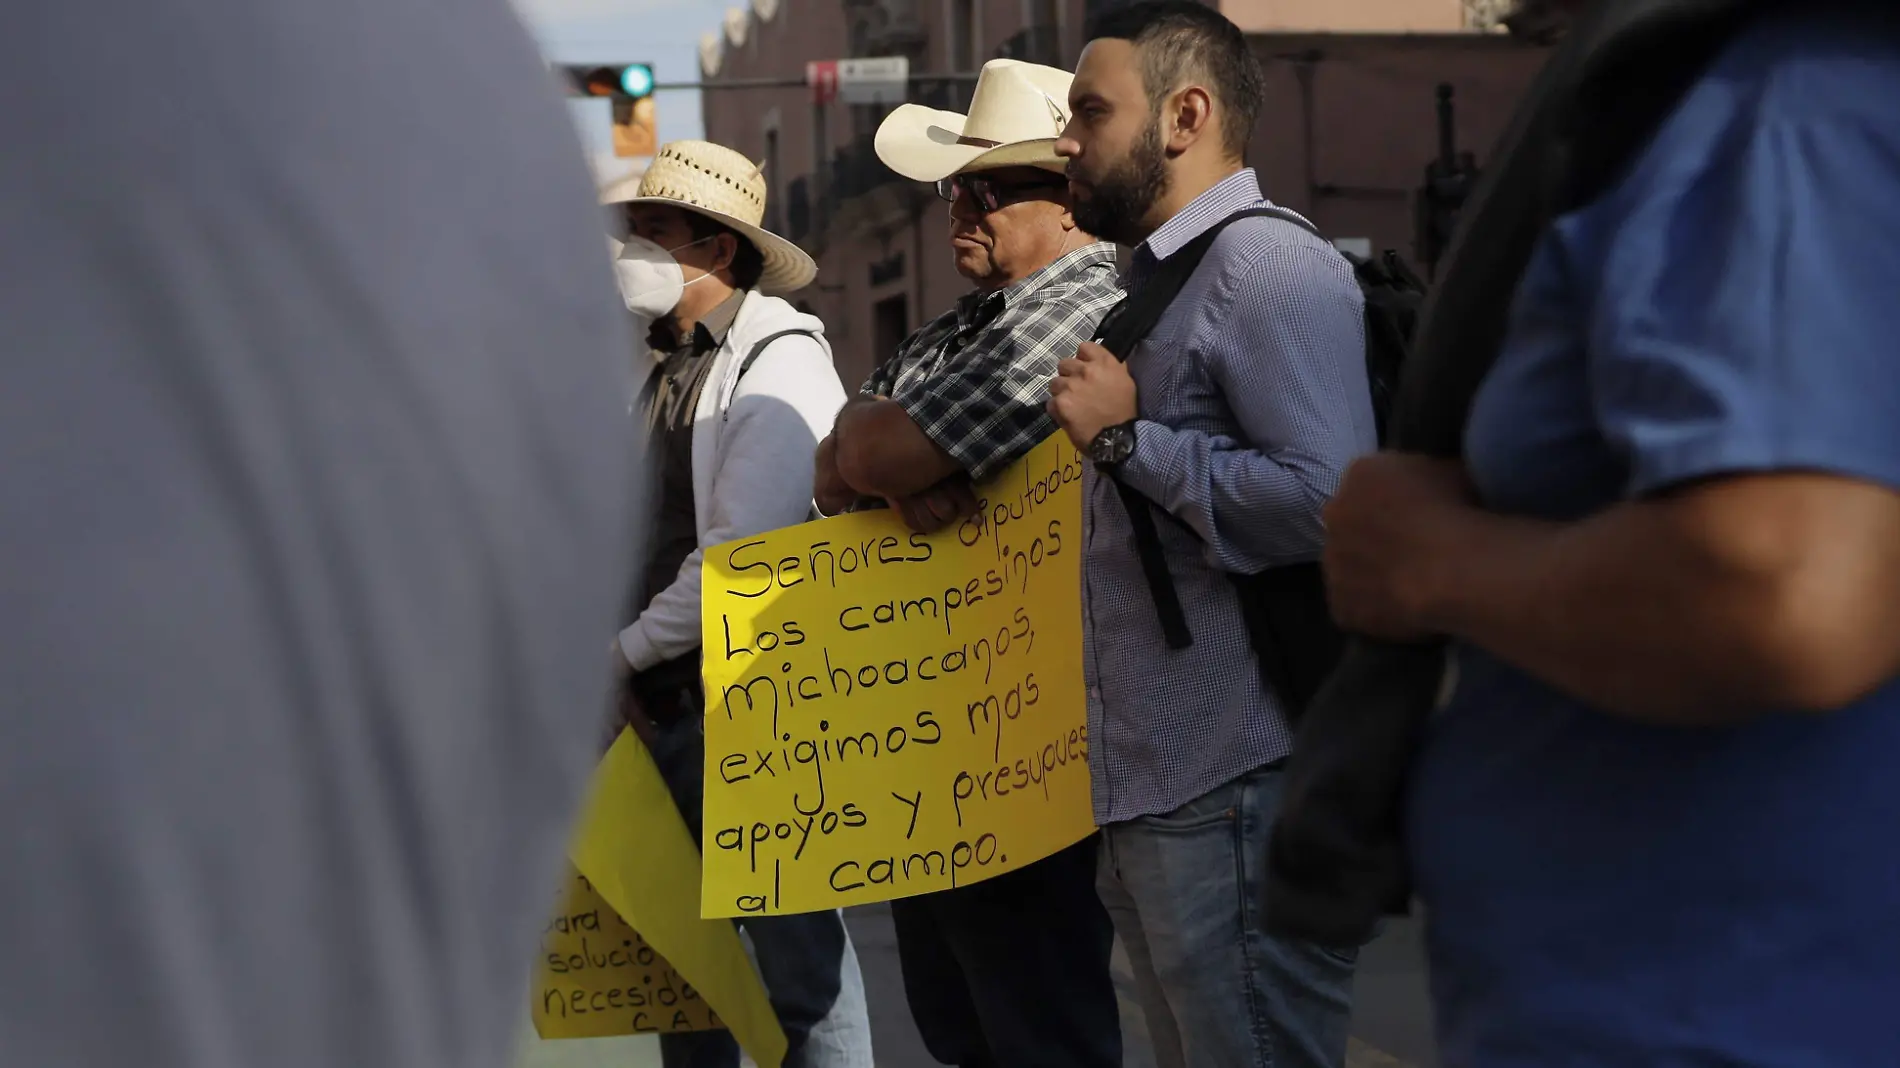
column 634, row 81
column 628, row 87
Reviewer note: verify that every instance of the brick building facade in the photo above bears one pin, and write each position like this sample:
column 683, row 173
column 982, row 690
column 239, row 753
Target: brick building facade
column 1347, row 131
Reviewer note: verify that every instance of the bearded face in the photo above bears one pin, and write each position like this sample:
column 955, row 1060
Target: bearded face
column 1112, row 195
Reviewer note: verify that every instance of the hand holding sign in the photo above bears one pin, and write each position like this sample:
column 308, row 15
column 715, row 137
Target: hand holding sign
column 950, row 501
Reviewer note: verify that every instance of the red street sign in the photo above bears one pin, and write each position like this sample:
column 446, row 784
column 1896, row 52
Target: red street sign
column 822, row 76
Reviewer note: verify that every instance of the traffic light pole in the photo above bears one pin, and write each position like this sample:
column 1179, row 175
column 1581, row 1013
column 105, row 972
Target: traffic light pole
column 735, row 83
column 788, row 83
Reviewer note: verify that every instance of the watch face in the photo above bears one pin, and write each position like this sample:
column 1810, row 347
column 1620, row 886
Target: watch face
column 1112, row 445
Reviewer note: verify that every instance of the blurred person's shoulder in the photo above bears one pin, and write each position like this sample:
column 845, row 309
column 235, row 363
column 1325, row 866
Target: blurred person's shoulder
column 314, row 434
column 1788, row 87
column 376, row 197
column 1811, row 61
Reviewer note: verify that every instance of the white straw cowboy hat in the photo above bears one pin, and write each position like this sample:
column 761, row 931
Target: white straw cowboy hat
column 714, row 181
column 1016, row 114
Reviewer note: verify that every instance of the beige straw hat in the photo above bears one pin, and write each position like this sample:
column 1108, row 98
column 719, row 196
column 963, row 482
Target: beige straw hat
column 1016, row 113
column 722, row 185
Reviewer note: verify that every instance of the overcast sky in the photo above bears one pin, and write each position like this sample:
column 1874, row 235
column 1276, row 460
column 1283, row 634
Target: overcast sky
column 664, row 33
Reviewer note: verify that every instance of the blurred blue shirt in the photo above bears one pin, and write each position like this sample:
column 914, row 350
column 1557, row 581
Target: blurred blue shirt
column 1605, row 893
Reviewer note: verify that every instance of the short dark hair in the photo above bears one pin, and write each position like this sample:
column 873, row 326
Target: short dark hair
column 1182, row 40
column 748, row 264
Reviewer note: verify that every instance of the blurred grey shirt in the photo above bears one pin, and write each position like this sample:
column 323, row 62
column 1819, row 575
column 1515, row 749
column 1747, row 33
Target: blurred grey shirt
column 313, row 433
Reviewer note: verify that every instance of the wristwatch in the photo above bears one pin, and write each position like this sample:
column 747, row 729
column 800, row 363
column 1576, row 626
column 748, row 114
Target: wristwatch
column 1113, row 445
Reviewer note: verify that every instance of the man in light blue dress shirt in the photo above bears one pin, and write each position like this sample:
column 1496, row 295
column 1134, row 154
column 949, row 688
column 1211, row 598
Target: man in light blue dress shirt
column 1237, row 416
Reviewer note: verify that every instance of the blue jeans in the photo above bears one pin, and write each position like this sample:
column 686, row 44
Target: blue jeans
column 1217, row 990
column 806, row 962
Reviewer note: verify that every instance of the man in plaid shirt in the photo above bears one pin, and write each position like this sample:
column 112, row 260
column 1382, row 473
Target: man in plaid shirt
column 965, row 396
column 1015, row 969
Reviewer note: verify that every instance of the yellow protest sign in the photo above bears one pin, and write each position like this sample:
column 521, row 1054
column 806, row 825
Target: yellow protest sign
column 597, row 978
column 889, row 714
column 636, row 852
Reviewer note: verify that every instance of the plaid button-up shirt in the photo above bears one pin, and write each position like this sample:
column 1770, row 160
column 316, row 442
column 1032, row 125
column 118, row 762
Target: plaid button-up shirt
column 976, row 379
column 1253, row 399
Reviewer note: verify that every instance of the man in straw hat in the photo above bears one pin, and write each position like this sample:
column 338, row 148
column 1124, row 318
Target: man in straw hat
column 740, row 389
column 1013, row 970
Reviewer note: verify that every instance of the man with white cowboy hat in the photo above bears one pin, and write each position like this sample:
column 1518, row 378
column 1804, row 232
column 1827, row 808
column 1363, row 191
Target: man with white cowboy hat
column 739, row 389
column 1013, row 970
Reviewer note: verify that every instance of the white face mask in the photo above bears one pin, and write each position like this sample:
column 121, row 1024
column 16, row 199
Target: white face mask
column 651, row 281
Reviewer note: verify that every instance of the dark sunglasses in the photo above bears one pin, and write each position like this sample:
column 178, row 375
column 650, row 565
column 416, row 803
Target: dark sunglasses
column 990, row 194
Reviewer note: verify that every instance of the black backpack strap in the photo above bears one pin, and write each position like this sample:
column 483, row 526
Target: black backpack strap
column 1135, row 317
column 746, row 365
column 1154, row 568
column 758, row 348
column 1124, row 327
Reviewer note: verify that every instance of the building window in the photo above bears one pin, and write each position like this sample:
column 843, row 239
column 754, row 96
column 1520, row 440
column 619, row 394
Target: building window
column 890, row 325
column 866, row 118
column 774, row 197
column 1039, row 41
column 820, row 162
column 963, row 36
column 797, row 211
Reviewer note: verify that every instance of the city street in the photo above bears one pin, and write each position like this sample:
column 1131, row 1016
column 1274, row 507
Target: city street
column 1391, row 1026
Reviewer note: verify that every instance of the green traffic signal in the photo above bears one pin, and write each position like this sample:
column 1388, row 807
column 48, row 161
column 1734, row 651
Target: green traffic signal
column 633, row 81
column 637, row 80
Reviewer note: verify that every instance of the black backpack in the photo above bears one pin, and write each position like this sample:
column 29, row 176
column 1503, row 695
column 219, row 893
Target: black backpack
column 1294, row 640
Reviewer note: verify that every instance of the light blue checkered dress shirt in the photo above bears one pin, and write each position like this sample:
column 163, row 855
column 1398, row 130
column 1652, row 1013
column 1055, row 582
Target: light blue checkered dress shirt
column 1253, row 400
